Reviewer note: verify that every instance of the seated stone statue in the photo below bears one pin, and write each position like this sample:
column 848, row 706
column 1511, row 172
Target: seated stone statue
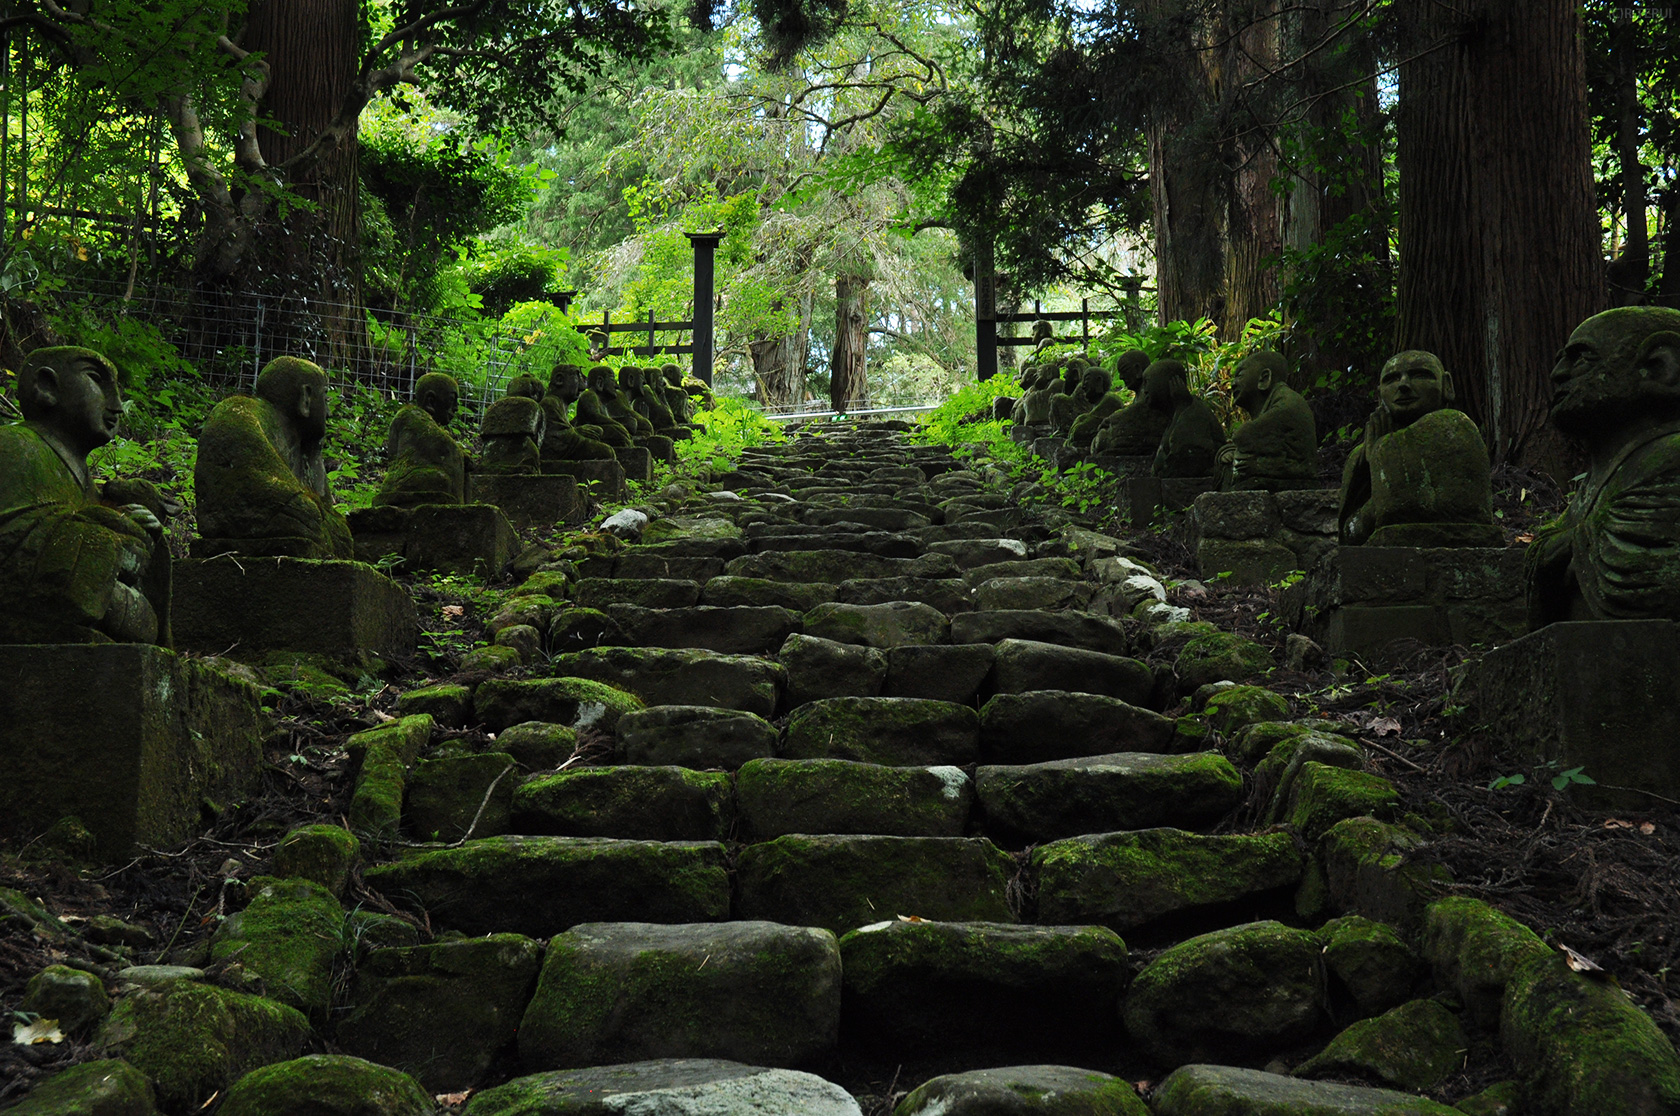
column 592, row 409
column 1277, row 448
column 1035, row 405
column 649, row 402
column 1089, row 390
column 1129, row 371
column 676, row 399
column 426, row 465
column 74, row 570
column 1420, row 478
column 513, row 430
column 1615, row 552
column 1136, row 431
column 561, row 441
column 260, row 479
column 617, row 403
column 1190, row 446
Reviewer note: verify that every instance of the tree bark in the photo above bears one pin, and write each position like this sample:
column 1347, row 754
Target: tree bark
column 779, row 362
column 848, row 384
column 1254, row 217
column 1499, row 238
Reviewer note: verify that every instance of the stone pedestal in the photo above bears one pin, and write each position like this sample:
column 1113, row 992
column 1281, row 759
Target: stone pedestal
column 529, row 501
column 1598, row 695
column 250, row 605
column 1361, row 599
column 1259, row 537
column 460, row 538
column 1147, row 496
column 637, row 463
column 1137, row 465
column 604, row 480
column 132, row 740
column 1027, row 433
column 660, row 447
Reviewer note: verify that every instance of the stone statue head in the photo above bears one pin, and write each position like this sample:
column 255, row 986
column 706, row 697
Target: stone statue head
column 1158, row 384
column 601, row 381
column 1130, row 367
column 566, row 382
column 1619, row 367
column 1042, row 331
column 1093, row 385
column 437, row 394
column 630, row 378
column 673, row 375
column 525, row 386
column 1413, row 384
column 1256, row 375
column 72, row 394
column 298, row 390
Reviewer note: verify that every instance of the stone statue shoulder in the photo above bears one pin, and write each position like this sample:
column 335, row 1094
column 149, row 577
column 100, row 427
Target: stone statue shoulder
column 512, row 416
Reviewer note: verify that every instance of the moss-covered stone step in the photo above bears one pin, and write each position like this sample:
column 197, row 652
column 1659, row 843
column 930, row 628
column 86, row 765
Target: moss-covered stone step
column 971, row 989
column 698, row 736
column 910, row 732
column 107, row 1087
column 1023, row 665
column 1128, row 880
column 887, row 544
column 1415, row 1046
column 666, row 1087
column 1067, row 629
column 948, row 595
column 881, row 518
column 754, row 991
column 649, row 592
column 973, row 553
column 327, row 1083
column 577, row 703
column 454, row 797
column 944, row 672
column 756, row 591
column 1029, row 593
column 288, row 936
column 1211, row 1090
column 1042, row 725
column 443, row 1012
column 836, row 566
column 824, row 668
column 1060, row 569
column 781, row 796
column 684, row 677
column 540, row 886
column 1024, row 1091
column 891, row 624
column 843, row 882
column 1031, row 803
column 632, row 802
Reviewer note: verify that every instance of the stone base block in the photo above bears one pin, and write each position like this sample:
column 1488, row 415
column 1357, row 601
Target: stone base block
column 530, row 502
column 637, row 463
column 1047, row 446
column 661, row 447
column 1247, row 533
column 249, row 605
column 1247, row 561
column 1148, row 496
column 460, row 538
column 1598, row 695
column 1127, row 466
column 1361, row 599
column 133, row 740
column 604, row 480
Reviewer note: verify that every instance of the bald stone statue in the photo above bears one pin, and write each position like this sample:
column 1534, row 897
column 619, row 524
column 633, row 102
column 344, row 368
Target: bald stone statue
column 1190, row 446
column 1615, row 553
column 73, row 570
column 562, row 441
column 426, row 465
column 1091, row 391
column 1136, row 431
column 618, row 402
column 513, row 430
column 592, row 409
column 1421, row 476
column 260, row 479
column 1128, row 370
column 1277, row 448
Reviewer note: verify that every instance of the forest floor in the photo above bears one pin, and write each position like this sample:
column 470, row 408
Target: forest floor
column 1603, row 885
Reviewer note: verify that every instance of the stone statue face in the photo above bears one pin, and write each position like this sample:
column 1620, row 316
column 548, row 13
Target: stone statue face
column 601, row 381
column 77, row 399
column 566, row 383
column 439, row 401
column 630, row 377
column 1251, row 384
column 673, row 375
column 1413, row 384
column 1618, row 366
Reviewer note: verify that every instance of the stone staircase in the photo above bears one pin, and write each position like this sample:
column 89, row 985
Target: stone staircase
column 850, row 779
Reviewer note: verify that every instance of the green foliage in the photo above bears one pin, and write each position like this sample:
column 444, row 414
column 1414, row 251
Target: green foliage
column 504, row 274
column 356, row 427
column 732, row 426
column 966, row 417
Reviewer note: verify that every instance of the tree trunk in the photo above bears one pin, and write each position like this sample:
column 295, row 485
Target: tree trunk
column 1254, row 218
column 1668, row 287
column 1499, row 237
column 1628, row 274
column 779, row 363
column 848, row 383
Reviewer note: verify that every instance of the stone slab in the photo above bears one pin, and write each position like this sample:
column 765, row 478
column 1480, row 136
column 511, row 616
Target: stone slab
column 1359, row 599
column 600, row 480
column 660, row 676
column 1598, row 695
column 133, row 740
column 1197, row 1090
column 669, row 1087
column 460, row 538
column 249, row 605
column 534, row 501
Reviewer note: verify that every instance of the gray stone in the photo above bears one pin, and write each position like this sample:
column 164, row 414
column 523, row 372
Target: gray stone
column 636, row 803
column 949, row 672
column 655, row 561
column 1359, row 599
column 822, row 668
column 1234, row 515
column 970, row 553
column 1070, row 629
column 288, row 936
column 1025, row 1091
column 727, row 631
column 903, row 732
column 464, row 538
column 1203, row 1090
column 754, row 591
column 649, row 592
column 778, row 797
column 686, row 677
column 960, row 988
column 538, row 745
column 291, row 604
column 884, row 543
column 1414, row 1046
column 611, row 992
column 1026, row 593
column 1062, row 569
column 835, row 566
column 893, row 624
column 1220, row 657
column 537, row 502
column 1251, row 562
column 1024, row 665
column 444, row 797
column 666, row 1087
column 1045, row 725
column 946, row 595
column 694, row 736
column 1038, row 802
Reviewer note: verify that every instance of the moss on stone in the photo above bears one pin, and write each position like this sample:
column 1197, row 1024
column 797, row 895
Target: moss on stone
column 1496, row 1100
column 322, row 854
column 382, row 756
column 447, row 796
column 1241, row 706
column 577, row 702
column 327, row 1085
column 1368, row 963
column 1322, row 796
column 778, row 796
column 1370, row 869
column 109, row 1087
column 553, row 584
column 1475, row 950
column 1253, row 743
column 647, row 803
column 77, row 1000
column 491, row 660
column 448, row 704
column 1414, row 1046
column 1219, row 657
column 289, row 935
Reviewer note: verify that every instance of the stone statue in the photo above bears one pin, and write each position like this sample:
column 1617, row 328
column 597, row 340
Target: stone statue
column 1615, row 552
column 1129, row 371
column 1277, row 448
column 617, row 403
column 75, row 570
column 649, row 402
column 1089, row 390
column 426, row 465
column 1190, row 445
column 676, row 399
column 261, row 481
column 561, row 440
column 1036, row 403
column 1136, row 431
column 592, row 409
column 1420, row 478
column 513, row 430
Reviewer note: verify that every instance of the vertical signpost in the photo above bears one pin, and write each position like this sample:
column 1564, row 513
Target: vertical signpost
column 985, row 312
column 705, row 247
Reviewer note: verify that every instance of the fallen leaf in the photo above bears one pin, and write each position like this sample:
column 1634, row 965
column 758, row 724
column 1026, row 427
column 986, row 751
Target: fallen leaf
column 1525, row 538
column 1647, row 828
column 452, row 1100
column 911, row 918
column 454, row 612
column 1580, row 963
column 33, row 1034
column 1617, row 823
column 1382, row 726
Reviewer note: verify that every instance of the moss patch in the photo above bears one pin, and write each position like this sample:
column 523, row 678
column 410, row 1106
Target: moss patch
column 1416, row 1046
column 289, row 936
column 1322, row 795
column 381, row 757
column 1241, row 706
column 327, row 1083
column 321, row 854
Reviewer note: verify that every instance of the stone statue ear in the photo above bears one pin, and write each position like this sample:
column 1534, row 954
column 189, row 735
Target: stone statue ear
column 1265, row 380
column 305, row 400
column 1659, row 359
column 1449, row 390
column 46, row 387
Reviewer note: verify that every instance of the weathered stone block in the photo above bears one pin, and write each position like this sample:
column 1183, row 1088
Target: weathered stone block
column 674, row 1086
column 133, row 740
column 894, row 731
column 634, row 803
column 291, row 604
column 637, row 462
column 535, row 501
column 1024, row 1091
column 696, row 736
column 943, row 672
column 1043, row 725
column 782, row 796
column 600, row 480
column 460, row 538
column 682, row 677
column 1196, row 1090
column 1247, row 561
column 1235, row 515
column 1598, row 695
column 1031, row 803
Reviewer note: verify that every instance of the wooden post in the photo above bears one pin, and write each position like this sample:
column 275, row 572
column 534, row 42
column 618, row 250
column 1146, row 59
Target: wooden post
column 705, row 246
column 1085, row 320
column 650, row 351
column 985, row 313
